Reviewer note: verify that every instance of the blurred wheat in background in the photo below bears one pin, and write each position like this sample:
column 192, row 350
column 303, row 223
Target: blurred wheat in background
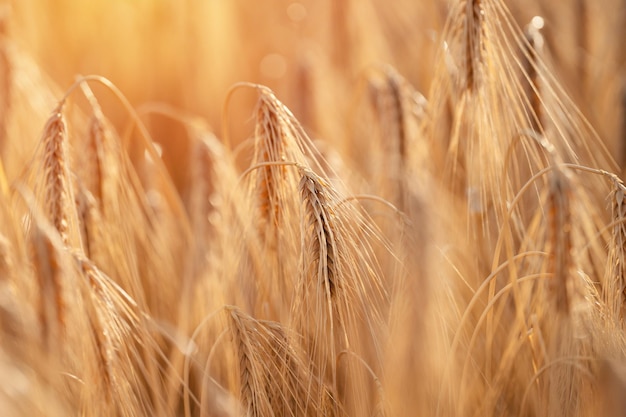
column 312, row 208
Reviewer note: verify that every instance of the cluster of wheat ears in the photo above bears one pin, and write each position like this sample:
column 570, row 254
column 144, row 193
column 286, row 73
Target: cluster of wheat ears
column 379, row 251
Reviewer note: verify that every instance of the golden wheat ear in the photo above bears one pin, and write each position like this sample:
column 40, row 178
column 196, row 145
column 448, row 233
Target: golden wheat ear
column 340, row 294
column 386, row 125
column 58, row 195
column 473, row 34
column 268, row 205
column 127, row 346
column 323, row 245
column 273, row 379
column 562, row 301
column 277, row 136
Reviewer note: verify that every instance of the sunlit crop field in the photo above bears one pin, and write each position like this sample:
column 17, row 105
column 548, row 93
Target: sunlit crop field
column 312, row 208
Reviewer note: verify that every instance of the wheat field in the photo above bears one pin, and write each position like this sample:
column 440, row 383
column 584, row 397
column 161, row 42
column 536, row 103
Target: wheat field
column 312, row 208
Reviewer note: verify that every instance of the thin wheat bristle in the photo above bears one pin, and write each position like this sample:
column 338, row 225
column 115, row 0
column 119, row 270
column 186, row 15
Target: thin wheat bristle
column 123, row 344
column 294, row 392
column 101, row 337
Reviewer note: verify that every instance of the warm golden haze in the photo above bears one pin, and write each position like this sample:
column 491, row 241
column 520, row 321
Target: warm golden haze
column 312, row 208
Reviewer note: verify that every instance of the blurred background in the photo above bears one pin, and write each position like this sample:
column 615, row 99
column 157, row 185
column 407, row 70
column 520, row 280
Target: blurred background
column 312, row 53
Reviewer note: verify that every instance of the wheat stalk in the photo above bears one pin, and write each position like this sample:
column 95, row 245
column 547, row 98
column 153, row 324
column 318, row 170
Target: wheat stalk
column 49, row 273
column 534, row 50
column 560, row 242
